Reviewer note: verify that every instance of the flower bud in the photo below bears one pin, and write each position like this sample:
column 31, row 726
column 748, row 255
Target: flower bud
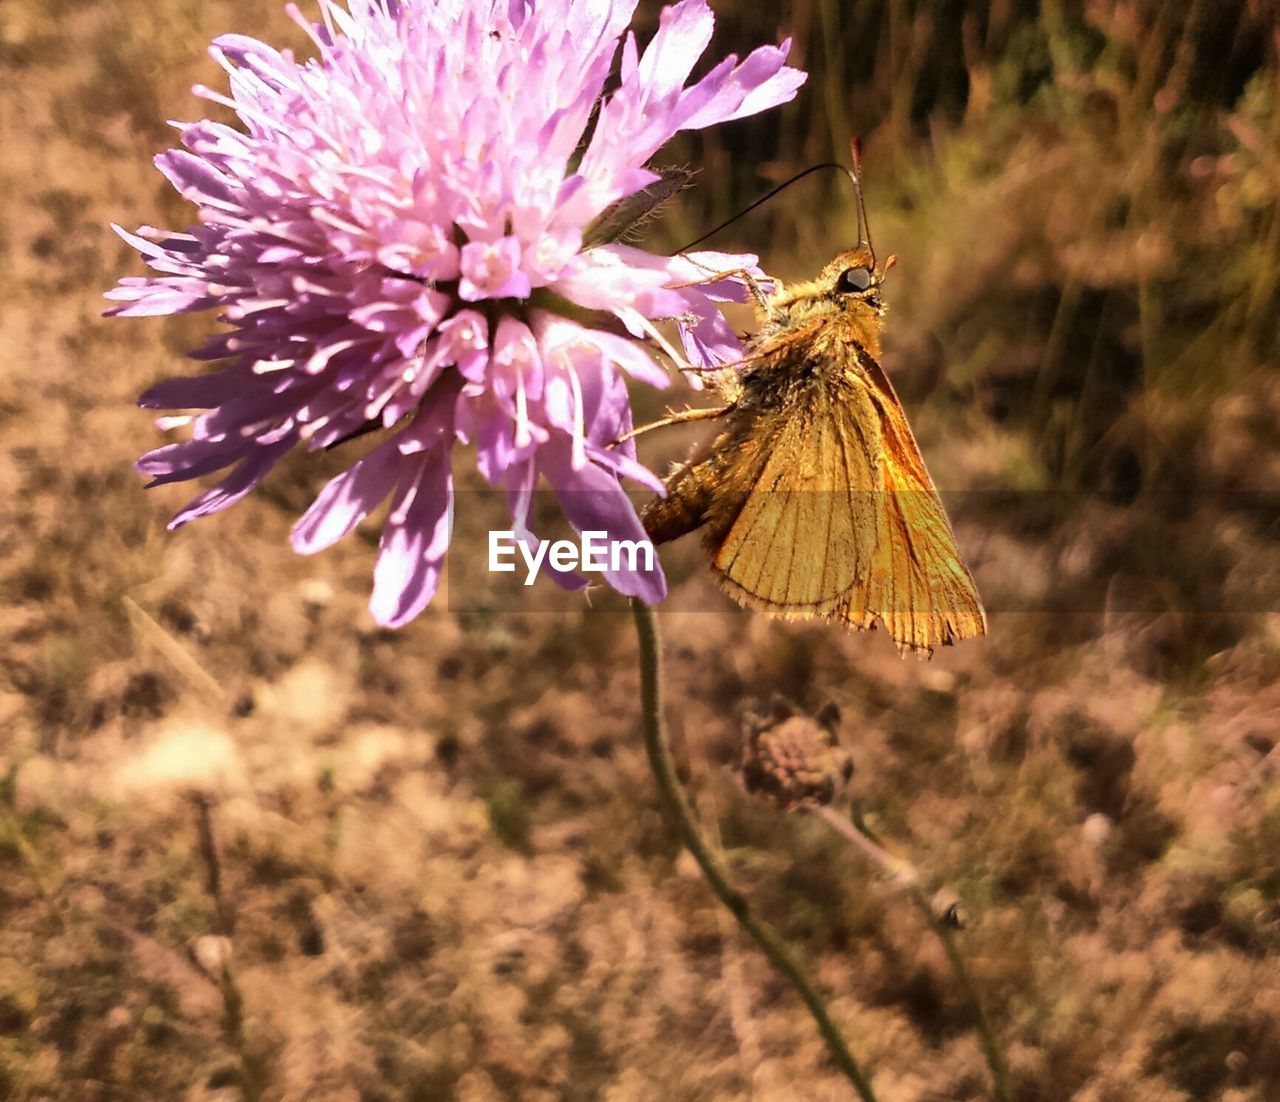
column 212, row 954
column 947, row 910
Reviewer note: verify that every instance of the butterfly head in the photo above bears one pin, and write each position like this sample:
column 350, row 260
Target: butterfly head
column 845, row 294
column 852, row 278
column 852, row 281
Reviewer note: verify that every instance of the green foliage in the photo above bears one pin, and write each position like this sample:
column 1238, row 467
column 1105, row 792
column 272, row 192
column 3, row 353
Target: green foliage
column 509, row 815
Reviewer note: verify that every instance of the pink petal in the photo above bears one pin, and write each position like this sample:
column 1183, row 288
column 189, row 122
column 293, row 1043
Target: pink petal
column 347, row 500
column 684, row 31
column 413, row 544
column 239, row 482
column 593, row 501
column 760, row 82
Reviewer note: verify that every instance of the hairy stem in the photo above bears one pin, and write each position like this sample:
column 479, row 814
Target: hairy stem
column 681, row 817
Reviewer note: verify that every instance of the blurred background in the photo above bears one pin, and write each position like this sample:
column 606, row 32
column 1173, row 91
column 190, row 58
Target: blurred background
column 253, row 847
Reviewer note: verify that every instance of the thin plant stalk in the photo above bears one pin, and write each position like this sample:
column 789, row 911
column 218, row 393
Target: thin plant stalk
column 681, row 817
column 35, row 869
column 904, row 873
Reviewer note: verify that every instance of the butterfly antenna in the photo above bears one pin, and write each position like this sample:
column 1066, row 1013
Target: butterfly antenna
column 855, row 177
column 765, row 198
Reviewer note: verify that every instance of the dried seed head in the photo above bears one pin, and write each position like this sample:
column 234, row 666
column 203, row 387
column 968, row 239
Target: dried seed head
column 796, row 760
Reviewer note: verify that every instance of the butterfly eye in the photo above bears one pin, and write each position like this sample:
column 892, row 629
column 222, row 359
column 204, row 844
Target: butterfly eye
column 854, row 279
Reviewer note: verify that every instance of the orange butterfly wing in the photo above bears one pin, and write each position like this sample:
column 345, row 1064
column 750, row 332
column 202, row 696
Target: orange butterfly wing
column 918, row 586
column 819, row 505
column 826, row 510
column 792, row 527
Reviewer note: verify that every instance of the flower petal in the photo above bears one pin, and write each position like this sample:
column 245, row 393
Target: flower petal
column 348, row 499
column 414, row 543
column 593, row 501
column 252, row 470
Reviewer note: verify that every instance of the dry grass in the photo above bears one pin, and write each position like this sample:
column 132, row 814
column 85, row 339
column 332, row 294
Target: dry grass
column 253, row 847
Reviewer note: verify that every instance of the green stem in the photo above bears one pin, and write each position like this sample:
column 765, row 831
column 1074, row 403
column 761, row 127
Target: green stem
column 681, row 817
column 995, row 1058
column 905, row 874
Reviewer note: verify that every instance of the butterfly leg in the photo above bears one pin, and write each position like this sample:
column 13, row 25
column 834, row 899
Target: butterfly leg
column 753, row 287
column 685, row 415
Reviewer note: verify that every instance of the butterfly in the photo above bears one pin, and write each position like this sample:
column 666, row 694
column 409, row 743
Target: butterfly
column 813, row 501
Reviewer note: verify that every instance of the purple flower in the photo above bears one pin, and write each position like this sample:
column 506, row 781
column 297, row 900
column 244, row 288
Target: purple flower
column 396, row 236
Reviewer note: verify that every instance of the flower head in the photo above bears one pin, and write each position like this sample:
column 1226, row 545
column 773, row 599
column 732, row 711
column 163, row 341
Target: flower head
column 400, row 236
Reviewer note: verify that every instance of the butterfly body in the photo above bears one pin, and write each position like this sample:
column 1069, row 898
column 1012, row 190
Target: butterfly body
column 813, row 500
